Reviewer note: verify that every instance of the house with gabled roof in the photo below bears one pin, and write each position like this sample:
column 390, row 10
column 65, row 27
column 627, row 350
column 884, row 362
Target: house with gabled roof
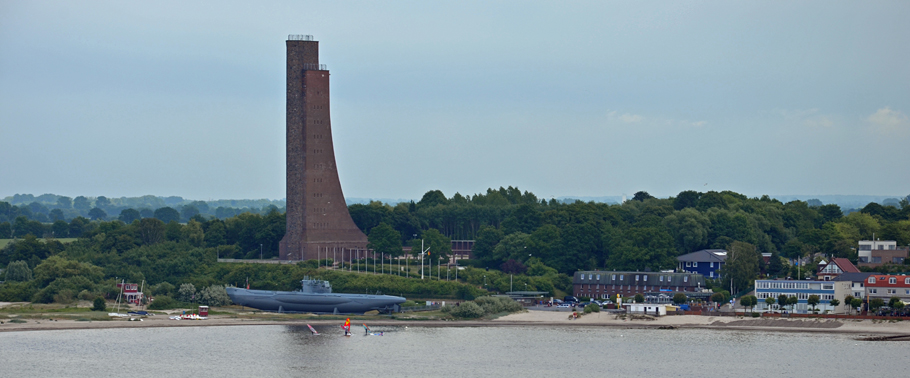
column 836, row 267
column 885, row 286
column 706, row 262
column 857, row 283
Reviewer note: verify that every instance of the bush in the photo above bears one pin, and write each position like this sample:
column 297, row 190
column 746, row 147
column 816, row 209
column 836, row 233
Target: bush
column 214, row 296
column 163, row 288
column 187, row 293
column 164, row 302
column 468, row 310
column 99, row 304
column 17, row 291
column 18, row 271
column 593, row 307
column 495, row 305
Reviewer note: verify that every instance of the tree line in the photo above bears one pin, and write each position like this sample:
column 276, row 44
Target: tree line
column 539, row 242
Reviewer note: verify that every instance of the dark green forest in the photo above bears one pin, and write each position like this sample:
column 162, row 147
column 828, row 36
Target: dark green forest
column 541, row 242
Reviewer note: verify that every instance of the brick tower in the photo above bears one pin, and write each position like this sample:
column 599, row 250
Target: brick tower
column 317, row 216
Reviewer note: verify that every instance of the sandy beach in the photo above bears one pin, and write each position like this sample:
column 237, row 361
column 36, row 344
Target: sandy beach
column 889, row 329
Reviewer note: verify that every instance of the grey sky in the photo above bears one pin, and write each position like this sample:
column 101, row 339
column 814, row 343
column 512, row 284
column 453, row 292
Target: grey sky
column 558, row 98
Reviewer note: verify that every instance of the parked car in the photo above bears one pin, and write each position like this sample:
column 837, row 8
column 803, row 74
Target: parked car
column 564, row 305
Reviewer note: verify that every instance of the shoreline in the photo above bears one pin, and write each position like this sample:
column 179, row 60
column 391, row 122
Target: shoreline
column 531, row 318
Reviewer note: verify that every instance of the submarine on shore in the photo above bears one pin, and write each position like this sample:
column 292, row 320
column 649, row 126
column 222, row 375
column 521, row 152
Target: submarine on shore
column 314, row 296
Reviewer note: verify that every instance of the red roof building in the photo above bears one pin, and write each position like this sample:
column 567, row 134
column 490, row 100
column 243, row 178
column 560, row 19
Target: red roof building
column 885, row 286
column 131, row 292
column 836, row 267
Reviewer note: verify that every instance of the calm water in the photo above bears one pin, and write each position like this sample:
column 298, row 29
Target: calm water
column 291, row 351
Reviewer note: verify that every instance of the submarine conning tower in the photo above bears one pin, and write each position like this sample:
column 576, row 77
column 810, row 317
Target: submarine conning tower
column 311, row 286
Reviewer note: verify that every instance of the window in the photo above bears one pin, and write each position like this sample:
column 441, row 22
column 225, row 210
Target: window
column 712, row 264
column 688, row 264
column 892, row 280
column 620, row 277
column 590, row 276
column 827, row 287
column 803, row 296
column 686, row 279
column 646, row 278
column 695, row 263
column 661, row 278
column 872, row 280
column 636, row 277
column 892, row 291
column 873, row 291
column 614, row 277
column 598, row 277
column 711, row 274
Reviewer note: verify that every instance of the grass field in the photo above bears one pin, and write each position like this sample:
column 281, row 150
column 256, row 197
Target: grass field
column 4, row 242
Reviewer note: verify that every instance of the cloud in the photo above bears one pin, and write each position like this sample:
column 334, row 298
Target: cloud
column 808, row 117
column 819, row 121
column 888, row 121
column 798, row 114
column 654, row 120
column 630, row 118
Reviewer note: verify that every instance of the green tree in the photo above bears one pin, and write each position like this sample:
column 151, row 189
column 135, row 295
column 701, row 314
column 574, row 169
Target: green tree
column 792, row 301
column 187, row 293
column 749, row 301
column 81, row 203
column 18, row 271
column 432, row 198
column 742, row 265
column 487, row 239
column 194, row 234
column 848, row 302
column 151, row 231
column 679, row 298
column 875, row 304
column 813, row 301
column 99, row 304
column 64, row 202
column 128, row 215
column 641, row 196
column 57, row 267
column 215, row 296
column 856, row 303
column 102, row 202
column 690, row 228
column 639, row 298
column 717, row 298
column 684, row 199
column 782, row 301
column 167, row 214
column 384, row 239
column 894, row 301
column 97, row 214
column 775, row 265
column 770, row 302
column 187, row 212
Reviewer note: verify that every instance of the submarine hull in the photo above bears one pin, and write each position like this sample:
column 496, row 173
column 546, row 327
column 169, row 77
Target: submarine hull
column 295, row 301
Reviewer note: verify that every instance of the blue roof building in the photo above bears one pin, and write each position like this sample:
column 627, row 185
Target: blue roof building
column 706, row 262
